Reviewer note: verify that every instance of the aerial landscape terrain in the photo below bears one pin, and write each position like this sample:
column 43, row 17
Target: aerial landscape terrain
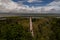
column 29, row 19
column 17, row 28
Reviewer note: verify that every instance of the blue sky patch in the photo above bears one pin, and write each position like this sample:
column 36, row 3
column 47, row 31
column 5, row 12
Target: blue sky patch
column 43, row 3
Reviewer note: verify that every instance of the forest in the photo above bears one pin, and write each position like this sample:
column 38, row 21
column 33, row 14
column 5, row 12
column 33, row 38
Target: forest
column 17, row 28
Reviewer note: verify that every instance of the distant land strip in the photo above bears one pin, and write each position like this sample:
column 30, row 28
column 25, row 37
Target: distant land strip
column 30, row 14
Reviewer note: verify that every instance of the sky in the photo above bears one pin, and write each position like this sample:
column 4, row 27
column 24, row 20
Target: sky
column 34, row 2
column 30, row 6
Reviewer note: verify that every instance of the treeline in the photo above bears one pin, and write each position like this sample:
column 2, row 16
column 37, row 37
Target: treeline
column 15, row 28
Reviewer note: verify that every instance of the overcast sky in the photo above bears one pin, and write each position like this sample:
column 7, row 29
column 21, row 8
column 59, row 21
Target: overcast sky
column 30, row 6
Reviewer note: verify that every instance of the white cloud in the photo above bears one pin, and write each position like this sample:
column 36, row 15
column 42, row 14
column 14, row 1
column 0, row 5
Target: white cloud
column 10, row 6
column 54, row 5
column 30, row 1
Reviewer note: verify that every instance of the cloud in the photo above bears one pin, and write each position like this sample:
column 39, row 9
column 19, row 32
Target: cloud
column 10, row 6
column 55, row 5
column 30, row 1
column 7, row 5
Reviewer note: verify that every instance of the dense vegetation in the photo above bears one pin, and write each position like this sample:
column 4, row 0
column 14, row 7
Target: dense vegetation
column 16, row 28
